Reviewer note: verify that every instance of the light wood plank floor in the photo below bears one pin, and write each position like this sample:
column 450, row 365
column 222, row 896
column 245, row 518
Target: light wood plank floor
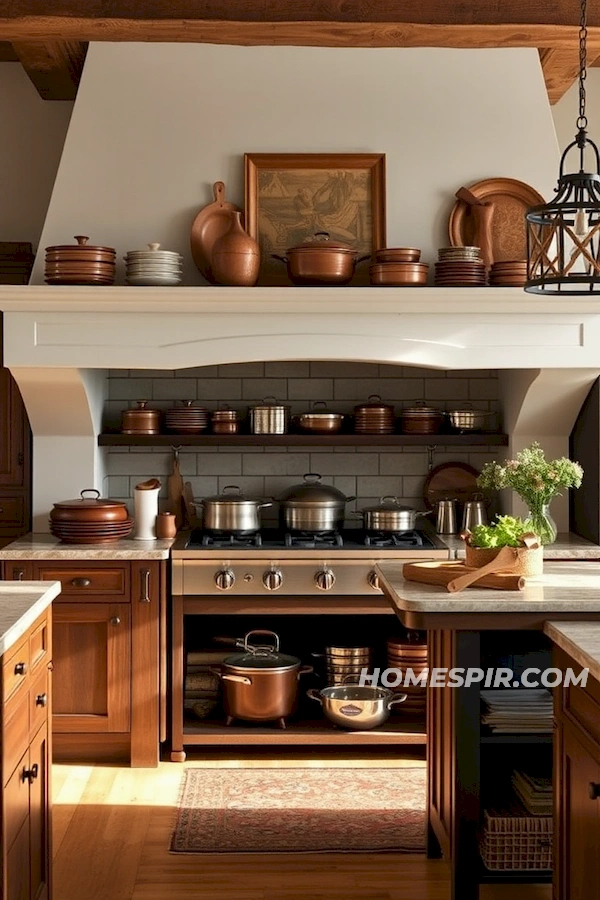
column 111, row 835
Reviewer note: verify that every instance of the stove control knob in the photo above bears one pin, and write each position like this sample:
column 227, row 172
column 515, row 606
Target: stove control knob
column 325, row 580
column 224, row 579
column 373, row 579
column 273, row 579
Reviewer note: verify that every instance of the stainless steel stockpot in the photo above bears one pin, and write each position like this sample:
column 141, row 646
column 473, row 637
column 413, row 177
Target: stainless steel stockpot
column 355, row 707
column 468, row 419
column 232, row 512
column 390, row 516
column 269, row 417
column 313, row 506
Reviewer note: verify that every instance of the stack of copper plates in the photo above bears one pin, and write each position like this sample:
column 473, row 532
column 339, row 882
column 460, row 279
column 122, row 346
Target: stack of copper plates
column 399, row 267
column 91, row 532
column 374, row 417
column 186, row 419
column 344, row 665
column 509, row 273
column 16, row 262
column 460, row 267
column 404, row 654
column 80, row 263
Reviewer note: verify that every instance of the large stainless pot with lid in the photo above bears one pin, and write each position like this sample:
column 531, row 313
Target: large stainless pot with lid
column 261, row 684
column 320, row 260
column 390, row 516
column 231, row 512
column 313, row 506
column 269, row 417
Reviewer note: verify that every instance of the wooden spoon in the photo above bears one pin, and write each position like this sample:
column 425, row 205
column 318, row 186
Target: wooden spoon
column 505, row 561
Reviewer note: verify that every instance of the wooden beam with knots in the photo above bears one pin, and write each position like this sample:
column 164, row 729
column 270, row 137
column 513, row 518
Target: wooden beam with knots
column 54, row 67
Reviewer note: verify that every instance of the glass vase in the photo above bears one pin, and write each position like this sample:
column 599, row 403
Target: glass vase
column 543, row 523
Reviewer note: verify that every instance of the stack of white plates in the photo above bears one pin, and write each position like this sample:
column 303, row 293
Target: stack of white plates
column 153, row 266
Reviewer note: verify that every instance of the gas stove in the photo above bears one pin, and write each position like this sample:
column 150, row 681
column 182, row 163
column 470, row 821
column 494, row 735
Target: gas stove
column 294, row 563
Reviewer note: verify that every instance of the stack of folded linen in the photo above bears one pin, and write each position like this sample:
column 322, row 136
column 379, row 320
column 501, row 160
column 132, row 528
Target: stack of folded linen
column 517, row 710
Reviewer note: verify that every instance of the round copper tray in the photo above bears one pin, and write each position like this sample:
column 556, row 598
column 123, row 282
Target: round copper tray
column 455, row 480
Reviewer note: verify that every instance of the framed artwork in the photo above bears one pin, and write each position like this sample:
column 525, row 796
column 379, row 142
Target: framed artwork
column 292, row 196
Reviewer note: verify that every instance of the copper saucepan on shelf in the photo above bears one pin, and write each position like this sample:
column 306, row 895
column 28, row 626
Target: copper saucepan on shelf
column 321, row 261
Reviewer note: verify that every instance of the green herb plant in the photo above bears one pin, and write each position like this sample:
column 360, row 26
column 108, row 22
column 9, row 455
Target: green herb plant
column 504, row 532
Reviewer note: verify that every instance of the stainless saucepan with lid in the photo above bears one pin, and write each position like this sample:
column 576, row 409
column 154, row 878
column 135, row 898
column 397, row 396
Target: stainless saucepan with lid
column 390, row 516
column 232, row 512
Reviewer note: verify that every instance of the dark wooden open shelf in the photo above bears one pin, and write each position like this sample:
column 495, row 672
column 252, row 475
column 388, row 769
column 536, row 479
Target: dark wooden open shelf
column 475, row 439
column 319, row 732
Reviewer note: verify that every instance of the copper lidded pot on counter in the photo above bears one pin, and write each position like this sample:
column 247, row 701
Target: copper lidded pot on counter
column 321, row 261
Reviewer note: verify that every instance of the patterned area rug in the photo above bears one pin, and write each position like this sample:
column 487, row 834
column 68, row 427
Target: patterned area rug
column 301, row 811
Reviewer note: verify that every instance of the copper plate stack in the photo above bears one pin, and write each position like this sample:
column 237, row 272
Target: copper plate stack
column 186, row 419
column 374, row 417
column 345, row 664
column 460, row 267
column 404, row 654
column 225, row 421
column 90, row 520
column 92, row 533
column 509, row 273
column 80, row 263
column 399, row 267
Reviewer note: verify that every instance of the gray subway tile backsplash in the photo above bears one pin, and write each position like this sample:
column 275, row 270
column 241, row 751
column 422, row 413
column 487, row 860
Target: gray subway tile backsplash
column 369, row 472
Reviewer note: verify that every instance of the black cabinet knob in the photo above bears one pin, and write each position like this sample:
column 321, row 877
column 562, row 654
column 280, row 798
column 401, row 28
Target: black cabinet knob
column 21, row 668
column 594, row 790
column 30, row 774
column 41, row 700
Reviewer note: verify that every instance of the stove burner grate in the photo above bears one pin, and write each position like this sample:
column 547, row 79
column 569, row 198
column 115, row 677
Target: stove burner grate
column 226, row 540
column 394, row 539
column 313, row 540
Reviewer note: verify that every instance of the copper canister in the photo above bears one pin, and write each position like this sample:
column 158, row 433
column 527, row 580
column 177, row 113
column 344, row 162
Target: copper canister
column 140, row 420
column 225, row 421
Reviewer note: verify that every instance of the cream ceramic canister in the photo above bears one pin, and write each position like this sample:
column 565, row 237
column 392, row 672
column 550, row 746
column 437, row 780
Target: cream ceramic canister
column 145, row 510
column 235, row 258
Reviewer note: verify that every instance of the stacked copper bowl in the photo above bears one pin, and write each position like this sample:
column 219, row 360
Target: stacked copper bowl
column 140, row 420
column 187, row 418
column 409, row 653
column 374, row 417
column 509, row 273
column 398, row 267
column 421, row 419
column 225, row 421
column 80, row 263
column 90, row 520
column 460, row 267
column 345, row 664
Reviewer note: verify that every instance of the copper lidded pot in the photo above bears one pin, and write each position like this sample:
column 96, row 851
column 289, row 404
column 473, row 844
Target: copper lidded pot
column 321, row 261
column 140, row 420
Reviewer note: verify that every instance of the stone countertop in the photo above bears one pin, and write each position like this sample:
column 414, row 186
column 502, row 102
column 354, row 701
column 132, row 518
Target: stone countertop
column 21, row 602
column 581, row 640
column 45, row 546
column 564, row 587
column 566, row 546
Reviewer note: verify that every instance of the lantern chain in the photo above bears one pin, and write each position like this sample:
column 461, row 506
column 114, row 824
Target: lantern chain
column 582, row 119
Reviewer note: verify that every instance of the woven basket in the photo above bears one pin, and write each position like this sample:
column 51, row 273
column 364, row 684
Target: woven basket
column 516, row 842
column 529, row 562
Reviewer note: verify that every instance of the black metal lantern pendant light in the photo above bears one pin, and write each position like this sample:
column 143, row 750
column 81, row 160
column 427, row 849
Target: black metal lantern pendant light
column 563, row 236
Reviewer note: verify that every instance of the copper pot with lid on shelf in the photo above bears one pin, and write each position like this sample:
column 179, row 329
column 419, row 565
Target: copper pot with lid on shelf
column 140, row 419
column 80, row 263
column 319, row 260
column 319, row 419
column 421, row 419
column 374, row 417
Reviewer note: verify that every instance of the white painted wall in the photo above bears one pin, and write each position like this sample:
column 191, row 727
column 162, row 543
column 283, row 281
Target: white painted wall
column 566, row 110
column 32, row 137
column 155, row 125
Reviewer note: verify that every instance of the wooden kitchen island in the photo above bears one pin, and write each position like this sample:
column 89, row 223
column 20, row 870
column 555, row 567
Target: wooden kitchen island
column 482, row 628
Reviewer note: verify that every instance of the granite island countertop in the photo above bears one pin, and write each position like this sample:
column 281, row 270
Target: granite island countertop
column 566, row 546
column 46, row 546
column 564, row 587
column 581, row 640
column 21, row 602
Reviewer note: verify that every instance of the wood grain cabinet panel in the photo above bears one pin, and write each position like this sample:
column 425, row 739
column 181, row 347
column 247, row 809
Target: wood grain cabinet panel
column 15, row 461
column 92, row 667
column 39, row 819
column 84, row 581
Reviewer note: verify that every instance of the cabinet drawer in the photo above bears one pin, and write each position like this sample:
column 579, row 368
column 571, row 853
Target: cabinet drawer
column 16, row 801
column 39, row 643
column 15, row 669
column 12, row 512
column 87, row 581
column 15, row 732
column 38, row 701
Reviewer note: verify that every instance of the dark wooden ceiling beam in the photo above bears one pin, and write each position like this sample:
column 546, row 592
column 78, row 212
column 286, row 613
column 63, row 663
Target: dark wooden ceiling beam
column 560, row 67
column 54, row 67
column 7, row 53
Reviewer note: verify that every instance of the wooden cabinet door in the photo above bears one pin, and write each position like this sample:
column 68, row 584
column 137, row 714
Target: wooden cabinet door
column 39, row 817
column 579, row 829
column 16, row 876
column 91, row 681
column 14, row 426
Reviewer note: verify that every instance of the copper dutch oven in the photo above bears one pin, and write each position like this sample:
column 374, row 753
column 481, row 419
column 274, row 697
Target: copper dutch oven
column 320, row 260
column 261, row 684
column 89, row 509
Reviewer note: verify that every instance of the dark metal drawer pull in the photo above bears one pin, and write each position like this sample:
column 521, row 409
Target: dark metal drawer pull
column 594, row 790
column 41, row 700
column 18, row 574
column 145, row 586
column 21, row 668
column 30, row 774
column 80, row 582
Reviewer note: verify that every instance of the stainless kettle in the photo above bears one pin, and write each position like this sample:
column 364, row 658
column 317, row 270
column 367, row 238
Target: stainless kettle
column 474, row 513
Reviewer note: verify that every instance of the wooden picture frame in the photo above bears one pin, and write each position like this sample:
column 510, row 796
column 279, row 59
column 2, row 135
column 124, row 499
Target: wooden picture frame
column 291, row 196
